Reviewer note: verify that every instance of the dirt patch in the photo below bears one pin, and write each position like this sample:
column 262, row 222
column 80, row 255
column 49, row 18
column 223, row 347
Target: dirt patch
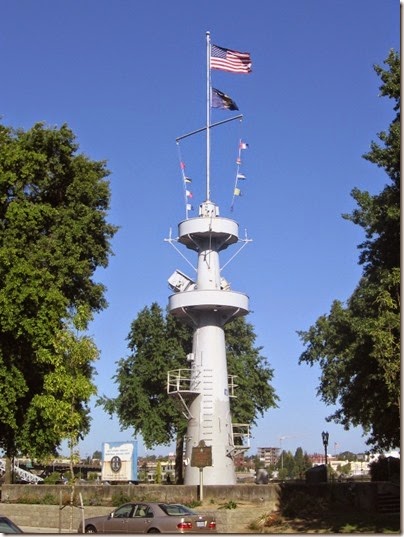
column 255, row 518
column 328, row 523
column 236, row 517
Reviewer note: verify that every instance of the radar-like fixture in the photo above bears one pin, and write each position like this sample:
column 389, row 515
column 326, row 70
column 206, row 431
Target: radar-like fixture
column 178, row 282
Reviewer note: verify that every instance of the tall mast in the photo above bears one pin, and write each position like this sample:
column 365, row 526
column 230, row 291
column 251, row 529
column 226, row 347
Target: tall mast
column 208, row 116
column 207, row 304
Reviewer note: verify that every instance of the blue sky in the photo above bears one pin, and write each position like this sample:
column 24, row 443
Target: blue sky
column 129, row 77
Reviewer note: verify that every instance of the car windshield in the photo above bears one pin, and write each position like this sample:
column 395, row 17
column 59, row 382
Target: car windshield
column 6, row 526
column 176, row 509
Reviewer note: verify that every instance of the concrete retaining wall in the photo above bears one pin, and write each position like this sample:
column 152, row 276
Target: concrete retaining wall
column 100, row 495
column 252, row 500
column 50, row 518
column 99, row 500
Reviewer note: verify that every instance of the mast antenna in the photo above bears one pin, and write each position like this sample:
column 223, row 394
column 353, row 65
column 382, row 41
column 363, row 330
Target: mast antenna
column 208, row 115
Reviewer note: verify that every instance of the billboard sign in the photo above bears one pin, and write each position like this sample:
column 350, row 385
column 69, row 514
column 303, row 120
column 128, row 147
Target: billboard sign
column 119, row 461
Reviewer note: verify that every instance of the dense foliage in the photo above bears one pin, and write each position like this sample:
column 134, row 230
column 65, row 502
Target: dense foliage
column 159, row 343
column 293, row 466
column 53, row 236
column 357, row 345
column 386, row 469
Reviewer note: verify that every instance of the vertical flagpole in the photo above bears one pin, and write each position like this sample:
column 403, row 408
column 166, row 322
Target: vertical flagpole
column 208, row 112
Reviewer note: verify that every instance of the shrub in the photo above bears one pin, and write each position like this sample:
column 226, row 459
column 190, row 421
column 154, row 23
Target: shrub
column 119, row 498
column 385, row 469
column 93, row 500
column 27, row 500
column 229, row 505
column 193, row 503
column 52, row 479
column 299, row 504
column 47, row 499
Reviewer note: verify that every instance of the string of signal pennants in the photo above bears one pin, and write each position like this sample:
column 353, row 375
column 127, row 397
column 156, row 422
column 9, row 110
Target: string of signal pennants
column 231, row 61
column 239, row 176
column 187, row 181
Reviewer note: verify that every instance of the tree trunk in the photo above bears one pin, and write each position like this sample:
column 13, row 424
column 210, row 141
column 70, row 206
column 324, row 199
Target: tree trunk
column 8, row 475
column 179, row 450
column 72, row 481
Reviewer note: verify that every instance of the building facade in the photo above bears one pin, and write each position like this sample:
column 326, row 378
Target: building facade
column 268, row 455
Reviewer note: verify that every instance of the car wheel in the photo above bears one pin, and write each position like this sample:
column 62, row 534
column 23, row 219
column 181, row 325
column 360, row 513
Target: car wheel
column 153, row 530
column 90, row 529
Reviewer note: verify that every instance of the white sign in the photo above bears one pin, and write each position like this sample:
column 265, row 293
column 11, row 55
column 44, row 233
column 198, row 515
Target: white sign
column 119, row 461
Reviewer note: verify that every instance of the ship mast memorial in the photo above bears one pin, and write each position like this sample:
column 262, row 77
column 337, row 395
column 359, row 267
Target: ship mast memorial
column 207, row 304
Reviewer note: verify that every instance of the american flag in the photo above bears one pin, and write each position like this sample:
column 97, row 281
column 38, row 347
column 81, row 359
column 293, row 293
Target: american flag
column 230, row 60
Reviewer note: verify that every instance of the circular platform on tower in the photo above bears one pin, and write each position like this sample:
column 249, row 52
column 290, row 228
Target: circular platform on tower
column 223, row 230
column 228, row 303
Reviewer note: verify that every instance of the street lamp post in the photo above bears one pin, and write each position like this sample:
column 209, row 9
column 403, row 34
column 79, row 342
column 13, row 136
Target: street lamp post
column 325, row 436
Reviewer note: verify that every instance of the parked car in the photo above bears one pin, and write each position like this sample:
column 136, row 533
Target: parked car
column 8, row 526
column 150, row 518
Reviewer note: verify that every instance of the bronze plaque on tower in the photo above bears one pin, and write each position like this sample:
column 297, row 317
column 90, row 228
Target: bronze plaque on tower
column 201, row 455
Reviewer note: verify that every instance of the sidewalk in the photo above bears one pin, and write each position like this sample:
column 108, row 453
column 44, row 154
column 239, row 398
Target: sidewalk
column 52, row 531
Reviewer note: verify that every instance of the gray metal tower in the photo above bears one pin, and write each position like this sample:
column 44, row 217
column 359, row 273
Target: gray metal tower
column 205, row 388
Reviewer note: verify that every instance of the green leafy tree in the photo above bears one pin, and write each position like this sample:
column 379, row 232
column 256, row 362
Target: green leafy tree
column 159, row 473
column 302, row 463
column 386, row 469
column 62, row 406
column 347, row 456
column 53, row 236
column 159, row 343
column 357, row 345
column 258, row 463
column 293, row 466
column 344, row 469
column 286, row 465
